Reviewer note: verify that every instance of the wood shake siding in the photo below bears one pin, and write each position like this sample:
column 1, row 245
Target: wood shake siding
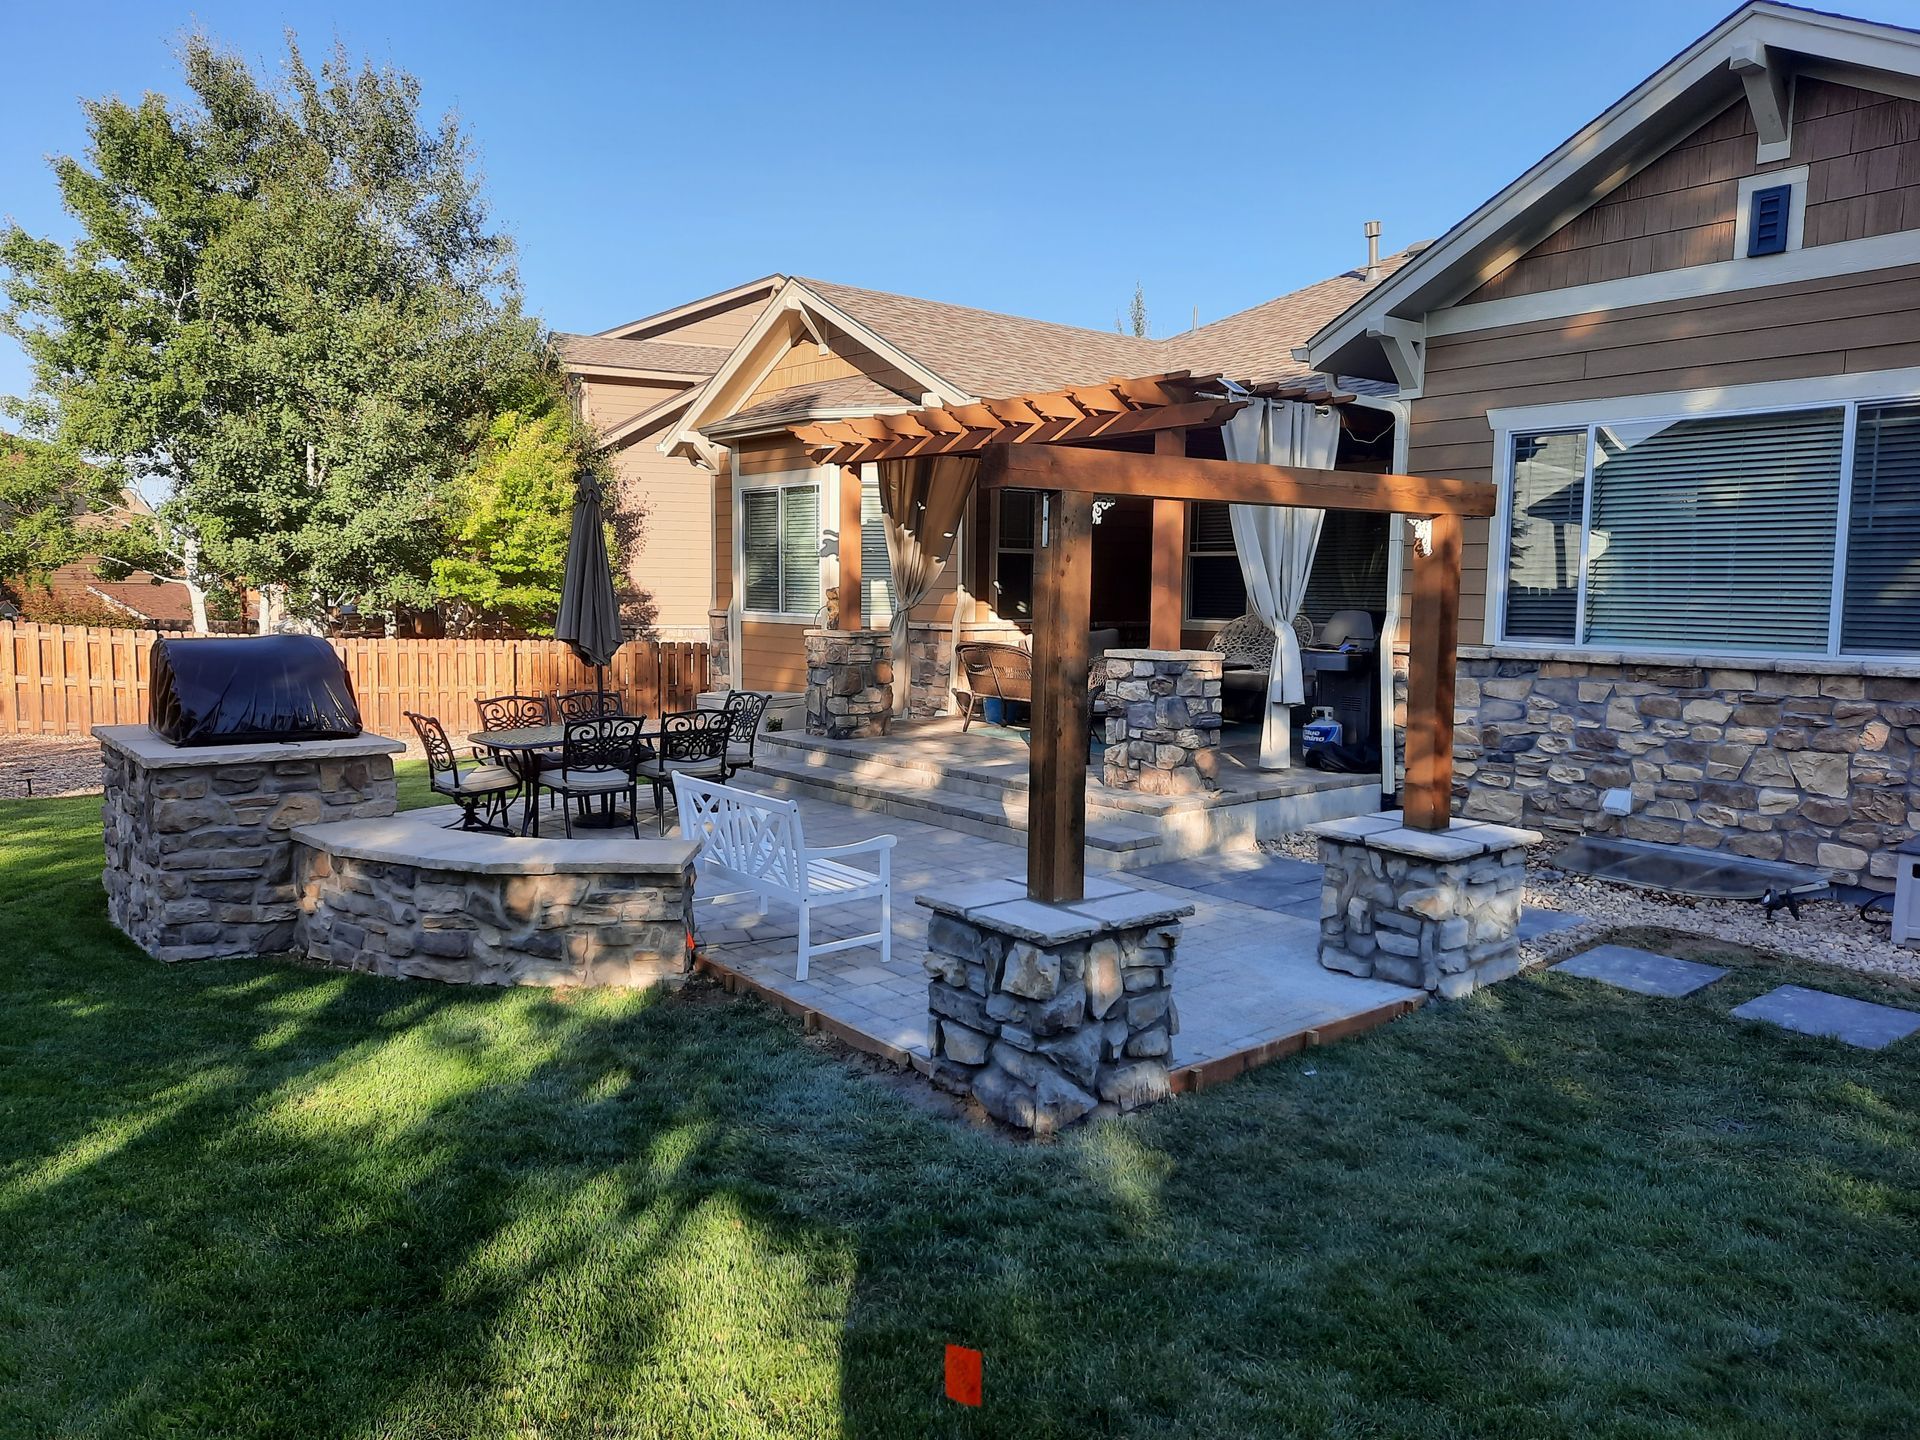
column 1861, row 150
column 1842, row 324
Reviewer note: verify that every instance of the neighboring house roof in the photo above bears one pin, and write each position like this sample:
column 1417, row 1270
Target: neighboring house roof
column 1753, row 52
column 986, row 353
column 658, row 356
column 849, row 395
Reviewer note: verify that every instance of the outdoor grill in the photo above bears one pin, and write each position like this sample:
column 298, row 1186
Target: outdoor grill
column 230, row 691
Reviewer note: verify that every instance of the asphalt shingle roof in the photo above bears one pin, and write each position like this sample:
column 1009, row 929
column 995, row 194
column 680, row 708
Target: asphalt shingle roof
column 640, row 354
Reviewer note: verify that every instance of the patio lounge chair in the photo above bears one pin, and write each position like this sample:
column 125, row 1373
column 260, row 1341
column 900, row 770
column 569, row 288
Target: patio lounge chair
column 484, row 788
column 990, row 670
column 691, row 742
column 756, row 841
column 599, row 758
column 744, row 711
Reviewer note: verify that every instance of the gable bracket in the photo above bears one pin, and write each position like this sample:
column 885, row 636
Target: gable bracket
column 1769, row 95
column 1404, row 342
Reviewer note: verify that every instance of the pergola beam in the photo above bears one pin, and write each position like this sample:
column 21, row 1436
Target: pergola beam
column 1178, row 477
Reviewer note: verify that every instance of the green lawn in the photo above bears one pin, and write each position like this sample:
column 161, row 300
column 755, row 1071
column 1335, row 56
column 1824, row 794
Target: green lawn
column 251, row 1198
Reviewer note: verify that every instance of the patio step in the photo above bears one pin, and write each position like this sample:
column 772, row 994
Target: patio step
column 910, row 793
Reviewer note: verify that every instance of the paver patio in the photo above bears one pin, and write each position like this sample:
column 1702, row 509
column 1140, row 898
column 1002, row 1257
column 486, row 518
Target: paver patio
column 1248, row 974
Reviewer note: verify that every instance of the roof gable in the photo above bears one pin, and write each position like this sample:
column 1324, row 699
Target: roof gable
column 1743, row 62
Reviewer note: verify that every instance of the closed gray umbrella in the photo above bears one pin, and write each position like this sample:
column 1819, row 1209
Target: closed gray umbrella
column 589, row 611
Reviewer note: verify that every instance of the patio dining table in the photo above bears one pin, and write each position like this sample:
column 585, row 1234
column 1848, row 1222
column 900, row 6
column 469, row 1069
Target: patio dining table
column 520, row 750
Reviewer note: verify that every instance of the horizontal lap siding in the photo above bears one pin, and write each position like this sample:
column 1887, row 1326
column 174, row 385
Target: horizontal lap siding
column 611, row 403
column 668, row 553
column 1839, row 325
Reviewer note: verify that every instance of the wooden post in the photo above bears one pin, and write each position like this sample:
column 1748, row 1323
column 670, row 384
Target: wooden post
column 1168, row 602
column 1057, row 770
column 848, row 614
column 1433, row 638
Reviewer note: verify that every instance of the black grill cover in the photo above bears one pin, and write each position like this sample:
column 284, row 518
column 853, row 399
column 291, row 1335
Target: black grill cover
column 251, row 688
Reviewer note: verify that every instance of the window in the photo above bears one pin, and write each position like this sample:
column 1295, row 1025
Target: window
column 1349, row 566
column 1719, row 532
column 1215, row 587
column 876, row 565
column 1016, row 525
column 780, row 549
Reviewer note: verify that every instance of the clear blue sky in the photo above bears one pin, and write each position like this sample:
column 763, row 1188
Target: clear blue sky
column 1034, row 157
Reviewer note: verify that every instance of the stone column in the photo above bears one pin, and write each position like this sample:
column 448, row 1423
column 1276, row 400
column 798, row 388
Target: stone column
column 1435, row 910
column 1163, row 720
column 1046, row 1014
column 849, row 683
column 199, row 839
column 719, row 652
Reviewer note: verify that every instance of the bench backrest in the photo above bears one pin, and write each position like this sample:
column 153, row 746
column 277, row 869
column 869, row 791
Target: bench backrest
column 1003, row 672
column 752, row 835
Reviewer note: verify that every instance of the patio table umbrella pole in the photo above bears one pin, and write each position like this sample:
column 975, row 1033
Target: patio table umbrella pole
column 589, row 610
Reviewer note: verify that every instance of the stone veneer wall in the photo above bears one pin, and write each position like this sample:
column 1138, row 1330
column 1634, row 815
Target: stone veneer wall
column 1046, row 1014
column 198, row 841
column 719, row 651
column 1436, row 911
column 1809, row 763
column 420, row 922
column 849, row 683
column 1163, row 720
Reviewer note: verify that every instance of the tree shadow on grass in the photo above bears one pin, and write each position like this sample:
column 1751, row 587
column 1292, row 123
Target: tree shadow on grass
column 255, row 1199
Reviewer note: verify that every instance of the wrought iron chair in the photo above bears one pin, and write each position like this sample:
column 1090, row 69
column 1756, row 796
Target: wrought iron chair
column 744, row 711
column 690, row 742
column 574, row 705
column 488, row 788
column 598, row 758
column 512, row 712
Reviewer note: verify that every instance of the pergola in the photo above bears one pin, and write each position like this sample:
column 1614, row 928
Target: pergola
column 1045, row 442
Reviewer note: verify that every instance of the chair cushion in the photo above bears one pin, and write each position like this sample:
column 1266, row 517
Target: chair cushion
column 592, row 780
column 740, row 754
column 480, row 780
column 701, row 768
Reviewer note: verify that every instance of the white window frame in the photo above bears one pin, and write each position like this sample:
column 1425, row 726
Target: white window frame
column 778, row 480
column 1796, row 210
column 1847, row 393
column 1188, row 620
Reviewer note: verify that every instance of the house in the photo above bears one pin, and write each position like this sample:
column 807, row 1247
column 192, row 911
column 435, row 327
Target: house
column 1686, row 347
column 818, row 350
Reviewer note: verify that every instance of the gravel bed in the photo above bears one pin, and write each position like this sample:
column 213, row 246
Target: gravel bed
column 1828, row 932
column 40, row 765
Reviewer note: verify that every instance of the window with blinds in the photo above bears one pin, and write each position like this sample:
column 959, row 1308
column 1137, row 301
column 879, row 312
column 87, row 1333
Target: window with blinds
column 1716, row 531
column 780, row 549
column 1547, row 509
column 1720, row 532
column 1215, row 588
column 1881, row 613
column 876, row 565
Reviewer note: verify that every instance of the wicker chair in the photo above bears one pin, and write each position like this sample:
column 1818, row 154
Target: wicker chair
column 990, row 670
column 744, row 711
column 691, row 742
column 484, row 790
column 599, row 758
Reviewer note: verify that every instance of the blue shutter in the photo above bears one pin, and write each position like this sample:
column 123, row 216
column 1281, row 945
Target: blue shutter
column 1767, row 220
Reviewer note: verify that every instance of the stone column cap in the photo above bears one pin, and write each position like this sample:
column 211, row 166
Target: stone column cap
column 142, row 743
column 868, row 633
column 1002, row 906
column 1187, row 655
column 1388, row 832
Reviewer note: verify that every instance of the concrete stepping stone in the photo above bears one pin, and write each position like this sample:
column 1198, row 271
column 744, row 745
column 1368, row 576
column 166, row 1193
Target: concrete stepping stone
column 1815, row 1012
column 1641, row 971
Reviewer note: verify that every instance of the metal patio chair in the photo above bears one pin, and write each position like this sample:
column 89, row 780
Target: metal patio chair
column 484, row 788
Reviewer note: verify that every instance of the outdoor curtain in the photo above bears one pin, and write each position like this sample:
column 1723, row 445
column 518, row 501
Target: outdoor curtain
column 923, row 499
column 1275, row 544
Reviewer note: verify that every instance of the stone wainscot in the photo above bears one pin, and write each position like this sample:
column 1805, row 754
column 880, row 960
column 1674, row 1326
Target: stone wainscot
column 1804, row 761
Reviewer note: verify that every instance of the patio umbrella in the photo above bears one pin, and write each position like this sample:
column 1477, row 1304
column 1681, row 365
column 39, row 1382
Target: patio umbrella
column 589, row 611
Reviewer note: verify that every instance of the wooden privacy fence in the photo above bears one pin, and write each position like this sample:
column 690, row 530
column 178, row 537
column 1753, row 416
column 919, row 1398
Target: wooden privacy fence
column 65, row 679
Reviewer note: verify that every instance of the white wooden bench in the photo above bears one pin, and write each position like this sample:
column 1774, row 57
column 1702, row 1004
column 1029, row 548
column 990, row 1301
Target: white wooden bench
column 756, row 841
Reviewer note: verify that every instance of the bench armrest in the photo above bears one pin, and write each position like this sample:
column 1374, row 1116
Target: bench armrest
column 859, row 847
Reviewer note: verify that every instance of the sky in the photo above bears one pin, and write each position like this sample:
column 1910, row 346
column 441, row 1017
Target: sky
column 1038, row 158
